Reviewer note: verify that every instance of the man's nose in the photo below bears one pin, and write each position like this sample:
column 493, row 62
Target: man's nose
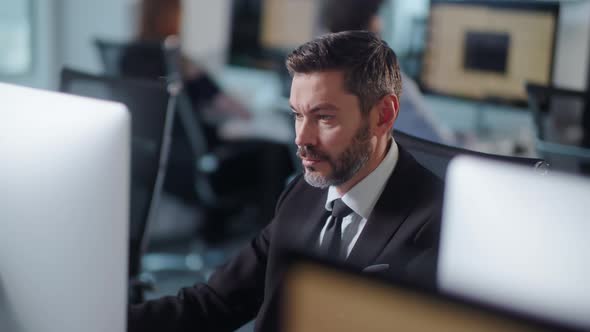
column 305, row 134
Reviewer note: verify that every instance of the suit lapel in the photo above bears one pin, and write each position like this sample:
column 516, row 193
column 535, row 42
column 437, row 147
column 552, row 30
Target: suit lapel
column 389, row 213
column 306, row 219
column 314, row 221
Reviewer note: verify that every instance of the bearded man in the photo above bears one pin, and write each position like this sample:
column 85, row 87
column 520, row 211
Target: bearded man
column 362, row 199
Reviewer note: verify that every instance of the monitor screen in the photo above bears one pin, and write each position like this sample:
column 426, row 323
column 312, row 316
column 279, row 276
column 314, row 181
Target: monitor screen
column 64, row 211
column 320, row 298
column 488, row 49
column 263, row 31
column 520, row 241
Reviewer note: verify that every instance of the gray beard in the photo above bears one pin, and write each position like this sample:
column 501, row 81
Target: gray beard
column 347, row 165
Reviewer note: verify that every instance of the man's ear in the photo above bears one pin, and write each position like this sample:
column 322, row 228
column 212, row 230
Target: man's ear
column 388, row 112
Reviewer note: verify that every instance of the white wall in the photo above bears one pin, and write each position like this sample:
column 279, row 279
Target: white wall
column 206, row 30
column 83, row 20
column 573, row 38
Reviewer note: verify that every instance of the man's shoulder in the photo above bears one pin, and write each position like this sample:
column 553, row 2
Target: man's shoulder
column 420, row 177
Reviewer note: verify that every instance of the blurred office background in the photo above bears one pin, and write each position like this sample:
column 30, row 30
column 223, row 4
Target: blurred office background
column 41, row 37
column 470, row 59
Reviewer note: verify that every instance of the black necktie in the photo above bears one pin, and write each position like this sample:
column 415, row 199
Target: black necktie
column 331, row 242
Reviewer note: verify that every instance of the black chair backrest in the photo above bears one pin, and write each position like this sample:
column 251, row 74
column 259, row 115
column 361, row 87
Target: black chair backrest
column 152, row 110
column 562, row 121
column 436, row 157
column 139, row 59
column 161, row 61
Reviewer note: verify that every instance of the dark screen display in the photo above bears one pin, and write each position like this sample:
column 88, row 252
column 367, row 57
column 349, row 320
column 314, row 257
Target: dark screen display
column 486, row 51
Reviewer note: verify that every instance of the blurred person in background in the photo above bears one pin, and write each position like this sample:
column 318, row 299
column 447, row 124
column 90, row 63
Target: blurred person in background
column 260, row 167
column 163, row 18
column 415, row 117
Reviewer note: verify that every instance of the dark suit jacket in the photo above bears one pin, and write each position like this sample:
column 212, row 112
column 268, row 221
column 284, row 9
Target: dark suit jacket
column 402, row 232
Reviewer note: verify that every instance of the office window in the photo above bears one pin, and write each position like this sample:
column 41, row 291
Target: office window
column 15, row 37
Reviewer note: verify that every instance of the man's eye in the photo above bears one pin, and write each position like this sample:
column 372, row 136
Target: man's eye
column 325, row 117
column 296, row 115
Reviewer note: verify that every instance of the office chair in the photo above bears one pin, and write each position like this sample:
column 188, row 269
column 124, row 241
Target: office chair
column 562, row 123
column 152, row 109
column 436, row 157
column 154, row 60
column 225, row 175
column 113, row 56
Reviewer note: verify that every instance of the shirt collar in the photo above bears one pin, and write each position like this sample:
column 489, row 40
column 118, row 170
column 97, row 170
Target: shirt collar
column 364, row 195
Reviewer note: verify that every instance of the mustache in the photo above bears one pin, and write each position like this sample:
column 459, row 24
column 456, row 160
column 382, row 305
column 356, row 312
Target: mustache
column 311, row 153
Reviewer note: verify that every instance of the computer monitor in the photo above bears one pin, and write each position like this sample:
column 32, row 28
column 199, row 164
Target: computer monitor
column 488, row 49
column 321, row 297
column 517, row 239
column 264, row 31
column 64, row 205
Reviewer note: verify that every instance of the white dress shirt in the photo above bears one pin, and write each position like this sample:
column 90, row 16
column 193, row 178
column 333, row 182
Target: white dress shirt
column 362, row 199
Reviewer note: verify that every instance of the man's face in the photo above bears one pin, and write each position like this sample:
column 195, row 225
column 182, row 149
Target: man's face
column 332, row 136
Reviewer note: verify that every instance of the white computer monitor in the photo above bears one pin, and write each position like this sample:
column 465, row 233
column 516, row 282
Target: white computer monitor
column 518, row 239
column 64, row 205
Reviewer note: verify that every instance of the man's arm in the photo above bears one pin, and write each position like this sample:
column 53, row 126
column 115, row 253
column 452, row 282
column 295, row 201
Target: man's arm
column 231, row 298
